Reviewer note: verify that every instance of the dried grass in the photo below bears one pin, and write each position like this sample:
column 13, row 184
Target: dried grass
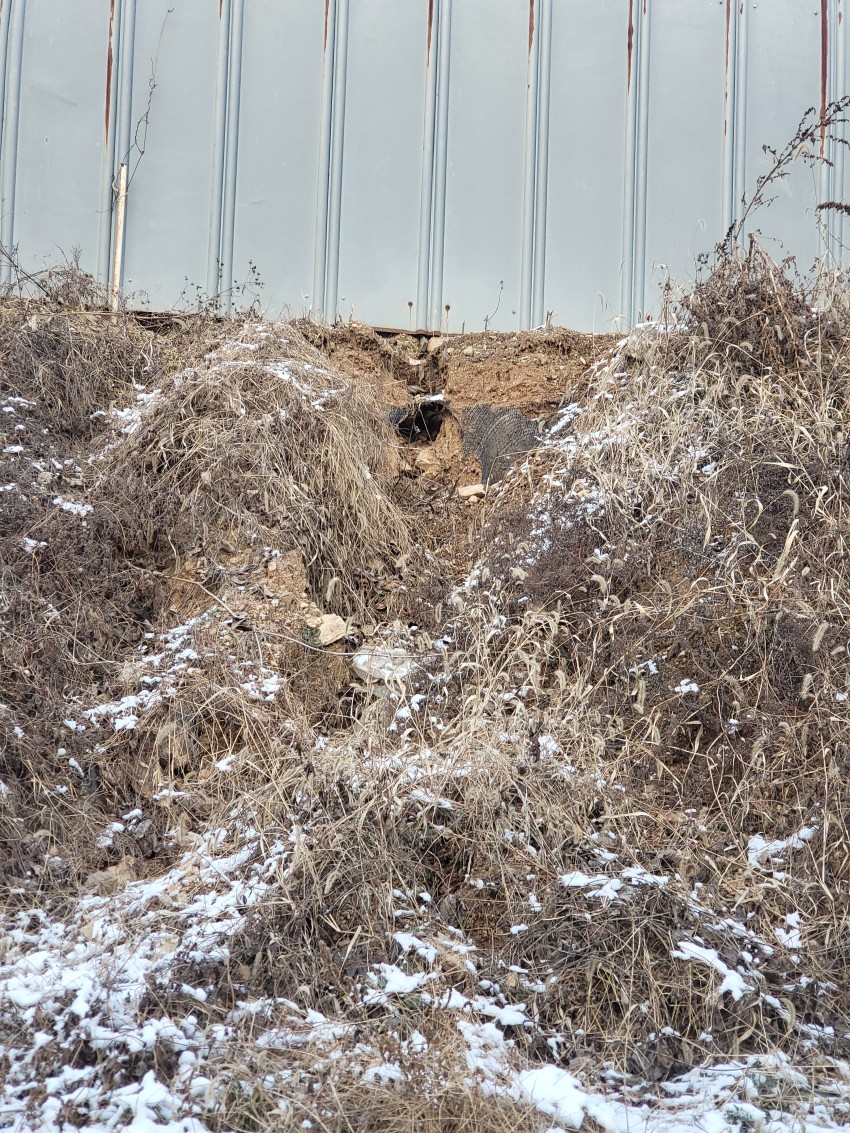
column 695, row 536
column 648, row 666
column 263, row 446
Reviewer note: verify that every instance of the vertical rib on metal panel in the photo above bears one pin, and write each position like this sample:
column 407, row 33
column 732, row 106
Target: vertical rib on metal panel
column 441, row 148
column 214, row 272
column 107, row 176
column 124, row 112
column 532, row 110
column 827, row 72
column 5, row 20
column 729, row 205
column 840, row 71
column 634, row 205
column 541, row 197
column 228, row 215
column 628, row 258
column 320, row 257
column 831, row 178
column 641, row 164
column 427, row 192
column 337, row 153
column 11, row 120
column 740, row 128
column 125, row 95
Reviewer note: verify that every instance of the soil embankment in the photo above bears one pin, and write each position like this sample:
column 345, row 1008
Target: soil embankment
column 444, row 734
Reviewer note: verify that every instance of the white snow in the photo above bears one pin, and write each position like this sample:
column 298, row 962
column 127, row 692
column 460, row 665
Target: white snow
column 733, row 982
column 686, row 687
column 72, row 507
column 760, row 851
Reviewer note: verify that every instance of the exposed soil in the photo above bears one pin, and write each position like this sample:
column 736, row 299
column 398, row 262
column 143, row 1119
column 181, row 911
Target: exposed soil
column 533, row 371
column 328, row 790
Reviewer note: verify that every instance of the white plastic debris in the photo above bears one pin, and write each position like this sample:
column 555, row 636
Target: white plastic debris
column 377, row 663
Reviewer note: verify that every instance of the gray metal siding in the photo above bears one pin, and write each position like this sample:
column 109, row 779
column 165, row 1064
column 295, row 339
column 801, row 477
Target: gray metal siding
column 278, row 158
column 55, row 167
column 411, row 163
column 382, row 162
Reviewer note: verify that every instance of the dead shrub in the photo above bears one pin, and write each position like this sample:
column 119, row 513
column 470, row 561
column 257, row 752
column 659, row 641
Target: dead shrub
column 262, row 446
column 72, row 365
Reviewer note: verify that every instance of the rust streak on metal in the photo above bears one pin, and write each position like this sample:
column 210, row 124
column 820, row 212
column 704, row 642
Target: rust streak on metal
column 631, row 43
column 220, row 3
column 430, row 24
column 108, row 67
column 327, row 6
column 530, row 25
column 824, row 69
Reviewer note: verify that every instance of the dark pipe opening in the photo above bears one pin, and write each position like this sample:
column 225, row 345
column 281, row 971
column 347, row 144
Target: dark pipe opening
column 422, row 422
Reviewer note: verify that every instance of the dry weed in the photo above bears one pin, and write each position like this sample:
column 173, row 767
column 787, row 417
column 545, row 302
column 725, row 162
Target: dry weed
column 262, row 446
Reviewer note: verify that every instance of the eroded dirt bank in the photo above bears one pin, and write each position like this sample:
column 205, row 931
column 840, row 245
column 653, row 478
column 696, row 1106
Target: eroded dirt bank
column 443, row 734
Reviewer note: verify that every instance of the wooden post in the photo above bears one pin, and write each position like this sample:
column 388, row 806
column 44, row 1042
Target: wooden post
column 118, row 257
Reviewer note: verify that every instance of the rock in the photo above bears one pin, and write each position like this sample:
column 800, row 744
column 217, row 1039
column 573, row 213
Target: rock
column 427, row 461
column 472, row 491
column 332, row 628
column 108, row 881
column 379, row 663
column 435, row 344
column 326, row 628
column 469, row 351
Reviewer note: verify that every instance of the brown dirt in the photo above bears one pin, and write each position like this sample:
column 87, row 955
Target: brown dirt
column 533, row 371
column 443, row 460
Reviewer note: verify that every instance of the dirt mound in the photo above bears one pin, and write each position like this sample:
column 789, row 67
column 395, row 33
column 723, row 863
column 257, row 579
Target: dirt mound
column 322, row 788
column 254, row 477
column 532, row 371
column 261, row 445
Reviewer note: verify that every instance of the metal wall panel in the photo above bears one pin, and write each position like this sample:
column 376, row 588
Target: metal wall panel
column 681, row 191
column 786, row 67
column 382, row 162
column 280, row 116
column 174, row 49
column 586, row 170
column 485, row 179
column 50, row 173
column 421, row 164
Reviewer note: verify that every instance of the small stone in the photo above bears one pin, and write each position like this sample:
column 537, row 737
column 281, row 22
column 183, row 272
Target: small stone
column 468, row 352
column 472, row 491
column 331, row 628
column 108, row 881
column 435, row 344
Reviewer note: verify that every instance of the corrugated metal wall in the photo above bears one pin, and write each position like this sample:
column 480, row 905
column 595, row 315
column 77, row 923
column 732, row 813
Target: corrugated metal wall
column 415, row 163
